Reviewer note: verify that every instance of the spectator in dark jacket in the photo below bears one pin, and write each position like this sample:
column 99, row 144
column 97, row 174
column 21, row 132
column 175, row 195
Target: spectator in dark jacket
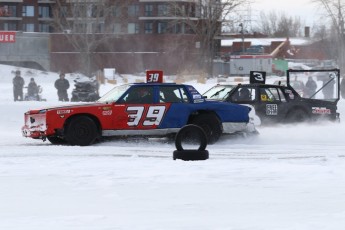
column 310, row 87
column 328, row 88
column 62, row 85
column 33, row 89
column 18, row 84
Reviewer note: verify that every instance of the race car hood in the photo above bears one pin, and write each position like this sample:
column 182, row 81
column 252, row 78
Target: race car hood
column 65, row 107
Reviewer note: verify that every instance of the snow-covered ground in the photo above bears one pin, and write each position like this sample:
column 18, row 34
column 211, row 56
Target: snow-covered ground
column 288, row 177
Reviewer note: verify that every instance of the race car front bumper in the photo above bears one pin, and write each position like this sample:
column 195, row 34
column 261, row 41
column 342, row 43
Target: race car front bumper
column 234, row 127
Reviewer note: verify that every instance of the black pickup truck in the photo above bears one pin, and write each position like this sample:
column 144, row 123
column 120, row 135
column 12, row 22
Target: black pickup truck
column 280, row 102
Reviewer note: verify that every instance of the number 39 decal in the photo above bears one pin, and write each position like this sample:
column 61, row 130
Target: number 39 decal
column 154, row 76
column 137, row 114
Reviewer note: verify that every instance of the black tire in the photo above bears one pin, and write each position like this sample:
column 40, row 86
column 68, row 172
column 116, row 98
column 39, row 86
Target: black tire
column 211, row 126
column 191, row 155
column 297, row 115
column 191, row 134
column 81, row 130
column 56, row 140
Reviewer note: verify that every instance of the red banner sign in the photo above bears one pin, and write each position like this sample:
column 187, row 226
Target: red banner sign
column 7, row 36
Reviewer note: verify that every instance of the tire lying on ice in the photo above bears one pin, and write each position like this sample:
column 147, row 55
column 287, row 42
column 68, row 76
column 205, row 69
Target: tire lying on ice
column 191, row 134
column 191, row 155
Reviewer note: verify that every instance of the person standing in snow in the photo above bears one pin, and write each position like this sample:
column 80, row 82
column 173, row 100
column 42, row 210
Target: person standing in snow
column 310, row 87
column 328, row 88
column 18, row 84
column 62, row 85
column 342, row 87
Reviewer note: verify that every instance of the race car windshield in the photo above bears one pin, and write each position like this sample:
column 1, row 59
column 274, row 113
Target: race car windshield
column 218, row 92
column 114, row 94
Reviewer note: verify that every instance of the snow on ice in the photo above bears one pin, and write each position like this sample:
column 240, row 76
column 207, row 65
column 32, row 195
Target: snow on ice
column 287, row 178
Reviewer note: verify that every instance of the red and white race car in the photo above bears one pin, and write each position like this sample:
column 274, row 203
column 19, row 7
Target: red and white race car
column 149, row 109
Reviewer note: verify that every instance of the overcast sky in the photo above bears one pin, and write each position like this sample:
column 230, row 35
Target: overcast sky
column 308, row 11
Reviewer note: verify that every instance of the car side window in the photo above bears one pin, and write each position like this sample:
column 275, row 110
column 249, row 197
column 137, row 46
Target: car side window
column 244, row 94
column 281, row 95
column 169, row 94
column 184, row 95
column 269, row 94
column 139, row 95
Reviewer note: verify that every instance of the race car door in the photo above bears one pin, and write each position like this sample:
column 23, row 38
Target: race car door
column 271, row 104
column 138, row 110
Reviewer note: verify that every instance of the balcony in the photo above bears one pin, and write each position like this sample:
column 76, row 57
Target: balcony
column 11, row 18
column 168, row 1
column 45, row 19
column 46, row 1
column 169, row 18
column 8, row 1
column 80, row 2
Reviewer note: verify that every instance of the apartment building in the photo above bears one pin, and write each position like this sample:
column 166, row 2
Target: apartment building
column 137, row 16
column 26, row 15
column 149, row 33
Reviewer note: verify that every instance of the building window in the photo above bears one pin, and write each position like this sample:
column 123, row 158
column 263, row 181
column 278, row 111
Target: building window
column 28, row 11
column 8, row 11
column 148, row 27
column 29, row 27
column 94, row 11
column 133, row 28
column 162, row 27
column 179, row 28
column 117, row 28
column 148, row 10
column 117, row 12
column 98, row 27
column 45, row 28
column 197, row 12
column 10, row 26
column 163, row 10
column 79, row 11
column 44, row 12
column 133, row 10
column 63, row 12
column 80, row 27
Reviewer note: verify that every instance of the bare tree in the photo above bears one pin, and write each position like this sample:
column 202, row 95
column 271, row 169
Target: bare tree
column 87, row 24
column 279, row 25
column 335, row 10
column 205, row 19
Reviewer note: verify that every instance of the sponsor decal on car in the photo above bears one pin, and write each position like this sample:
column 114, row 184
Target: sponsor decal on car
column 65, row 111
column 197, row 96
column 320, row 110
column 198, row 100
column 271, row 109
column 107, row 112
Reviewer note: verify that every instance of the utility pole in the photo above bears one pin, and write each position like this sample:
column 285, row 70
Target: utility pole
column 242, row 35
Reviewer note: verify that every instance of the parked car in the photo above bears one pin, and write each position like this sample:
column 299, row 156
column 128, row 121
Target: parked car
column 145, row 109
column 282, row 103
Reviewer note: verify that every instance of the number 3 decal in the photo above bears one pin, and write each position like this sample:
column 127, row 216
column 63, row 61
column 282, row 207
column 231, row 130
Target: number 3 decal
column 153, row 116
